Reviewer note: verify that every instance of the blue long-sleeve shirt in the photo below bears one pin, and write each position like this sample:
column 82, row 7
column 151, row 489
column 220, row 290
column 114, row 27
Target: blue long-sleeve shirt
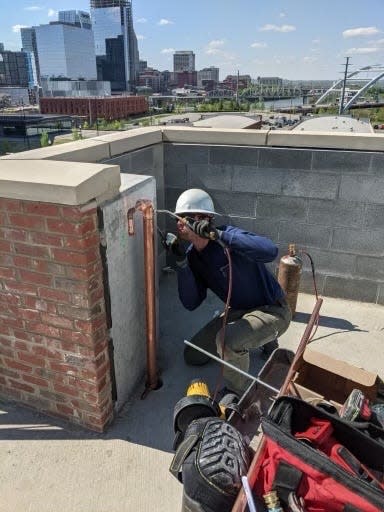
column 252, row 283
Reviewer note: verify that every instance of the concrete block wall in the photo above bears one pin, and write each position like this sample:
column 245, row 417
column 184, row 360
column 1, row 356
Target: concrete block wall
column 329, row 202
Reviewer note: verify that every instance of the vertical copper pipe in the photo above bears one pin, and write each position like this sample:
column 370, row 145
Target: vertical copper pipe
column 146, row 208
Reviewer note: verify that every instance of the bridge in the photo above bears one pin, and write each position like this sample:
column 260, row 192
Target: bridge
column 349, row 97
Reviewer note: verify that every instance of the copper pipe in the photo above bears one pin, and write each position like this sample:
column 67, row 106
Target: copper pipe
column 241, row 500
column 146, row 207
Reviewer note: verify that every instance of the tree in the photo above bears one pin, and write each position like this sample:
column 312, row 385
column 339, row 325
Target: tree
column 44, row 139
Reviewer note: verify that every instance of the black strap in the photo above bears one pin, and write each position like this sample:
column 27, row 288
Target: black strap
column 287, row 479
column 181, row 454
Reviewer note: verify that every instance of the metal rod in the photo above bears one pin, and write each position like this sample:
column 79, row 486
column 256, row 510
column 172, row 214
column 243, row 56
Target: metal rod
column 229, row 365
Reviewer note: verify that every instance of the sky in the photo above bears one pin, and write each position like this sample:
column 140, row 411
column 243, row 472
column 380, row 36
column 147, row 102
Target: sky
column 291, row 39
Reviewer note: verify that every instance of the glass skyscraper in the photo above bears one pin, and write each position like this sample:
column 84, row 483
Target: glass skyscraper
column 116, row 47
column 66, row 50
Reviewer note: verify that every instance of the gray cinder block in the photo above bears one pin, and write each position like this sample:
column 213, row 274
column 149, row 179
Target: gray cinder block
column 372, row 268
column 335, row 213
column 363, row 290
column 309, row 184
column 341, row 161
column 306, row 235
column 233, row 155
column 186, row 153
column 368, row 189
column 275, row 158
column 217, row 177
column 363, row 242
column 261, row 181
column 242, row 205
column 374, row 216
column 281, row 207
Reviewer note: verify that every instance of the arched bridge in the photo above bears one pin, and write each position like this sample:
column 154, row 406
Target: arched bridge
column 352, row 95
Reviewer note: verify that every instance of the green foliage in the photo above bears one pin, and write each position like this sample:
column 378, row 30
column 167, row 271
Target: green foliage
column 5, row 147
column 44, row 139
column 76, row 134
column 85, row 125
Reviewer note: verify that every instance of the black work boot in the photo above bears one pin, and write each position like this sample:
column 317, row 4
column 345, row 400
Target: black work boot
column 268, row 348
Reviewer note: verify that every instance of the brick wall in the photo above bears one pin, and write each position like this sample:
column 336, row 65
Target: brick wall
column 53, row 332
column 117, row 107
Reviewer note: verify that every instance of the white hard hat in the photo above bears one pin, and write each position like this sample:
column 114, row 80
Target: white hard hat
column 194, row 200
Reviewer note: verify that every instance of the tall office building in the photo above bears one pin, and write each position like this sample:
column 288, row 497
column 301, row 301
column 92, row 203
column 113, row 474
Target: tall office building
column 183, row 61
column 66, row 50
column 116, row 47
column 78, row 18
column 17, row 69
column 28, row 43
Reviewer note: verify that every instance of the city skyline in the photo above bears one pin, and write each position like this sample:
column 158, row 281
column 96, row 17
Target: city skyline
column 286, row 39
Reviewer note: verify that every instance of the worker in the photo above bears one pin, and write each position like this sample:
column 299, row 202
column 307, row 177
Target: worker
column 258, row 311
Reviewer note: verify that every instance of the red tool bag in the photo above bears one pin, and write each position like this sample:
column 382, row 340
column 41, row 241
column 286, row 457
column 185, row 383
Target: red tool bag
column 326, row 461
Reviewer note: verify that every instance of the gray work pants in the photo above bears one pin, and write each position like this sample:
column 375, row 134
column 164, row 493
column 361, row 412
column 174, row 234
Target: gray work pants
column 245, row 330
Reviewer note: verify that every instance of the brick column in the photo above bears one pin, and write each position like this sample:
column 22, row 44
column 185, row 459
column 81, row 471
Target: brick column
column 53, row 331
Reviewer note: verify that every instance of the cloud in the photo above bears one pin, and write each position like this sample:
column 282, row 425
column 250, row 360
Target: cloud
column 215, row 43
column 168, row 50
column 361, row 51
column 282, row 14
column 310, row 60
column 275, row 28
column 33, row 8
column 259, row 45
column 316, row 41
column 51, row 13
column 140, row 37
column 16, row 28
column 141, row 20
column 359, row 32
column 164, row 21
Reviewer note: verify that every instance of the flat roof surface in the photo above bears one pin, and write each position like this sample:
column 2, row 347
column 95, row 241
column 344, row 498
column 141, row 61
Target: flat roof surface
column 334, row 124
column 48, row 464
column 227, row 121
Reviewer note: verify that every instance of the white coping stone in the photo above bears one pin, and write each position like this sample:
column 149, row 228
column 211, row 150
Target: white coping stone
column 326, row 140
column 124, row 142
column 58, row 182
column 215, row 136
column 85, row 150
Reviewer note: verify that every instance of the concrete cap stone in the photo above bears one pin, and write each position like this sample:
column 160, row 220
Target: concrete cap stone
column 71, row 183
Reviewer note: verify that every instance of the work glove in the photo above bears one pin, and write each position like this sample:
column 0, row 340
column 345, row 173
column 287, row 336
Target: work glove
column 205, row 229
column 172, row 244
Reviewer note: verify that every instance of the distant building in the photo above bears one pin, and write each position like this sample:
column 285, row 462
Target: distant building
column 232, row 81
column 150, row 78
column 1, row 47
column 143, row 64
column 17, row 69
column 183, row 61
column 66, row 50
column 114, row 107
column 115, row 43
column 270, row 81
column 28, row 42
column 207, row 74
column 186, row 78
column 74, row 88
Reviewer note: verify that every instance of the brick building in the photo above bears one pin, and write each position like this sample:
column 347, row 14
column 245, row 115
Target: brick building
column 118, row 107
